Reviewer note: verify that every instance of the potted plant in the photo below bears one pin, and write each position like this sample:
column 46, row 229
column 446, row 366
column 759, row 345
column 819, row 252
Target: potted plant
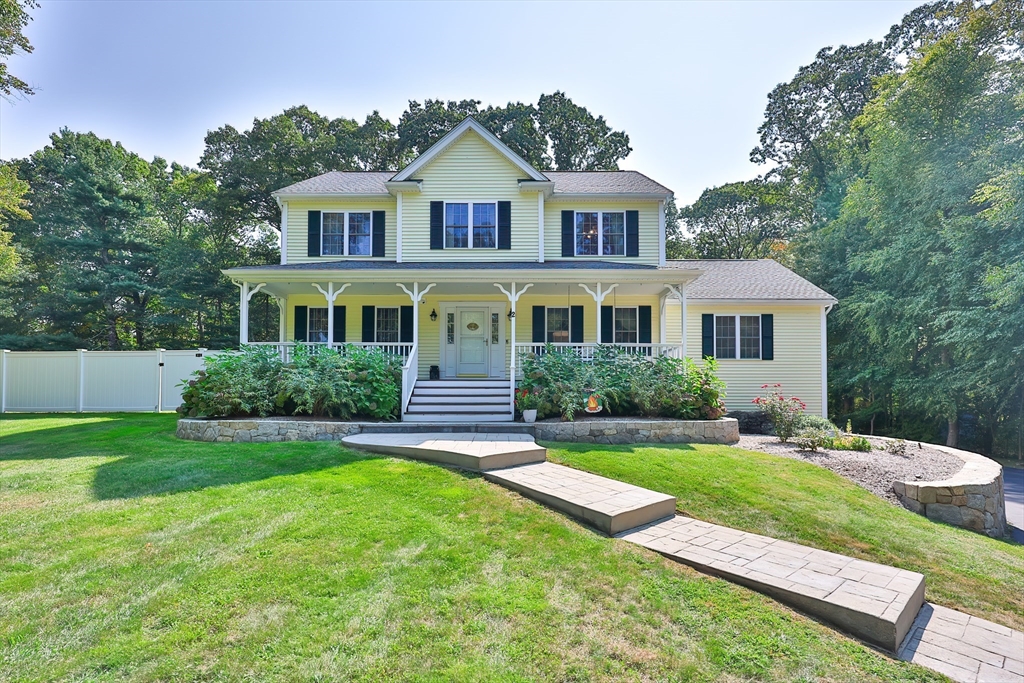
column 526, row 402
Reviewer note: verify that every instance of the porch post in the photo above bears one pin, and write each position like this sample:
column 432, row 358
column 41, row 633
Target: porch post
column 416, row 294
column 331, row 294
column 680, row 292
column 243, row 314
column 282, row 326
column 513, row 296
column 599, row 296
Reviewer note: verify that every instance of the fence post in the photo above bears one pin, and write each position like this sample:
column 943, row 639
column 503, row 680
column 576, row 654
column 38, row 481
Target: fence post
column 81, row 380
column 3, row 379
column 160, row 380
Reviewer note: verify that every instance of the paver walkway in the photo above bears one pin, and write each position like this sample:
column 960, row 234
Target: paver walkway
column 880, row 604
column 875, row 602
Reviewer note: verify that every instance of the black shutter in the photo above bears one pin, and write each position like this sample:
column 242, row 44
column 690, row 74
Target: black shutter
column 504, row 225
column 405, row 324
column 576, row 324
column 568, row 233
column 643, row 324
column 767, row 336
column 632, row 233
column 369, row 324
column 437, row 225
column 313, row 234
column 707, row 335
column 339, row 324
column 301, row 316
column 607, row 325
column 538, row 324
column 378, row 234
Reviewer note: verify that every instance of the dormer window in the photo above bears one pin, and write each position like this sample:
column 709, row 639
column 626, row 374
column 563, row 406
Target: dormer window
column 600, row 233
column 461, row 220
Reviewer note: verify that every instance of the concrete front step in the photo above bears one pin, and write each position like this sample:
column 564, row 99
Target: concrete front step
column 474, row 427
column 458, row 408
column 462, row 384
column 456, row 417
column 605, row 504
column 874, row 602
column 501, row 392
column 477, row 452
column 418, row 399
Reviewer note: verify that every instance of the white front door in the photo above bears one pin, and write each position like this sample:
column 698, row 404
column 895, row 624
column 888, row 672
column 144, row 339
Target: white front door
column 472, row 342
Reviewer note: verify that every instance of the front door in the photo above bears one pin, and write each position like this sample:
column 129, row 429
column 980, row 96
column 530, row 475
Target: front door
column 473, row 335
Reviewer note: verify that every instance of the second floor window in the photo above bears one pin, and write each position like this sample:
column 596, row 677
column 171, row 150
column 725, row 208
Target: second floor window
column 470, row 225
column 600, row 233
column 346, row 233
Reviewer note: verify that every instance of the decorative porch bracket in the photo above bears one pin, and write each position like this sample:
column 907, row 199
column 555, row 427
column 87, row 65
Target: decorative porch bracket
column 416, row 294
column 243, row 308
column 680, row 292
column 331, row 295
column 599, row 296
column 513, row 297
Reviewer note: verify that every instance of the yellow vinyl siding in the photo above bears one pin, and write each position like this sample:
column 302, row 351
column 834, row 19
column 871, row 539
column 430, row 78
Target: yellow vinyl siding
column 298, row 225
column 469, row 170
column 649, row 229
column 797, row 364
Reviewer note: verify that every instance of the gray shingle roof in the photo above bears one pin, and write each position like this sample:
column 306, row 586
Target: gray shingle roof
column 338, row 182
column 763, row 279
column 456, row 265
column 566, row 182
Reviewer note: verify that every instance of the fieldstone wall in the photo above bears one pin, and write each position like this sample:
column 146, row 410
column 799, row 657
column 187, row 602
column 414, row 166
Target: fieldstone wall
column 620, row 431
column 972, row 498
column 724, row 431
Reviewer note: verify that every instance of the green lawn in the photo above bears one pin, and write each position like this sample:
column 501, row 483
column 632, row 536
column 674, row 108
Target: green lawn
column 807, row 504
column 126, row 554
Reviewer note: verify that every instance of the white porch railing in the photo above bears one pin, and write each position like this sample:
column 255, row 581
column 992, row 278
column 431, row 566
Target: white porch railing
column 587, row 351
column 409, row 372
column 287, row 349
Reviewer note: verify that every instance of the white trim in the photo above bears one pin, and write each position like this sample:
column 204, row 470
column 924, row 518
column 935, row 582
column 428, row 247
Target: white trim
column 469, row 221
column 469, row 123
column 824, row 360
column 661, row 319
column 344, row 233
column 398, row 229
column 540, row 227
column 600, row 234
column 736, row 340
column 661, row 234
column 284, row 233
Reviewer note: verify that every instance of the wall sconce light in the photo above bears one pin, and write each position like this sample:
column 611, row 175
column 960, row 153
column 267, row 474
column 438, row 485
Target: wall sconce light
column 433, row 315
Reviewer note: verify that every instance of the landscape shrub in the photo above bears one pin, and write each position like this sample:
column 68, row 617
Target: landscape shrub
column 812, row 438
column 849, row 442
column 784, row 413
column 629, row 384
column 255, row 382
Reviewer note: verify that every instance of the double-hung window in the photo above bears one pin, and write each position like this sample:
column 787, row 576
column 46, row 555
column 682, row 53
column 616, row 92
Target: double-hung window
column 470, row 225
column 557, row 325
column 600, row 233
column 388, row 325
column 738, row 336
column 346, row 233
column 625, row 326
column 316, row 325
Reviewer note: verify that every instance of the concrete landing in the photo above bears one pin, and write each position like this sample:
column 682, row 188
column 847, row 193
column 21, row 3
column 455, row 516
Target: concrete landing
column 965, row 648
column 874, row 602
column 478, row 452
column 605, row 504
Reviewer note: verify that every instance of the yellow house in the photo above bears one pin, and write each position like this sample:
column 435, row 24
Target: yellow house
column 469, row 257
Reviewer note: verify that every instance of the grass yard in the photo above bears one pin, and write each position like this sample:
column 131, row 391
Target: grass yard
column 807, row 504
column 126, row 554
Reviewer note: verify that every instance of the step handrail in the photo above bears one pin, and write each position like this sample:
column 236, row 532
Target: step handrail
column 410, row 370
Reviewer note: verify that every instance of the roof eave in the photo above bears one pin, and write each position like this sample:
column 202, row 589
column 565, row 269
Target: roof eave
column 781, row 302
column 286, row 196
column 676, row 276
column 616, row 196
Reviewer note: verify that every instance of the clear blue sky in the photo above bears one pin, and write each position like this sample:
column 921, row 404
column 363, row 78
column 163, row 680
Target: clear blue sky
column 687, row 81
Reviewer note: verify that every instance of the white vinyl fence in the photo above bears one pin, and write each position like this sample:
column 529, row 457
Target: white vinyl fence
column 95, row 381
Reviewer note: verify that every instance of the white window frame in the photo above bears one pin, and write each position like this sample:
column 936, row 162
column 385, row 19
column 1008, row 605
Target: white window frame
column 376, row 323
column 345, row 233
column 309, row 323
column 636, row 310
column 600, row 234
column 568, row 320
column 736, row 339
column 470, row 226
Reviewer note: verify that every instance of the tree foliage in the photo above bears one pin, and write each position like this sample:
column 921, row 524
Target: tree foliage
column 14, row 17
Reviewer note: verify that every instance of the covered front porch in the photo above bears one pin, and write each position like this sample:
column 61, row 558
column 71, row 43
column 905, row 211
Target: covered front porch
column 465, row 324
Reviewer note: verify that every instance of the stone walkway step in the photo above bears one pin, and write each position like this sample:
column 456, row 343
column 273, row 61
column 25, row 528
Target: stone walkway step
column 874, row 602
column 606, row 504
column 965, row 648
column 470, row 451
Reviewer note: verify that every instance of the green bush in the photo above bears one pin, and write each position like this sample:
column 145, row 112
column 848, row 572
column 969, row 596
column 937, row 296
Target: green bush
column 812, row 421
column 255, row 382
column 784, row 413
column 812, row 438
column 849, row 442
column 628, row 384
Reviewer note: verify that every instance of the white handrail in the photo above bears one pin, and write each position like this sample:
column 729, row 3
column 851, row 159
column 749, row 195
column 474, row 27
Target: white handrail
column 287, row 349
column 409, row 372
column 587, row 351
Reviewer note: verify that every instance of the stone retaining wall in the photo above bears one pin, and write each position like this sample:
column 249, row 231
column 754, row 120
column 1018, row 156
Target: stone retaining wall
column 972, row 498
column 621, row 431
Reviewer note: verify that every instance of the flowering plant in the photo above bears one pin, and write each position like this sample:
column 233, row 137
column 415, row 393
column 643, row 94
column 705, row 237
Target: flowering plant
column 526, row 400
column 783, row 412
